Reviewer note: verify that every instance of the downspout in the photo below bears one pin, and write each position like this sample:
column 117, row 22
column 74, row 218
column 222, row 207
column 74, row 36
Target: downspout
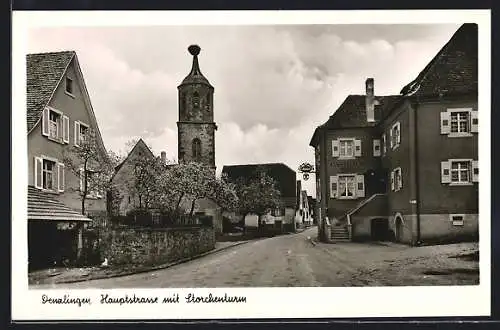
column 323, row 181
column 417, row 171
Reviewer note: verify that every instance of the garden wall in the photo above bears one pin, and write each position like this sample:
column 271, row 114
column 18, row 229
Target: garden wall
column 154, row 246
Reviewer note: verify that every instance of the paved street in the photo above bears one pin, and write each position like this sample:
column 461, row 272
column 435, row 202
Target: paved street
column 289, row 260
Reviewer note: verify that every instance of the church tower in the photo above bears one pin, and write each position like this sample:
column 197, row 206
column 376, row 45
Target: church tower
column 196, row 127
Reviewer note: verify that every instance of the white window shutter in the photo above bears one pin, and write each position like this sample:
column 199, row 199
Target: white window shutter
column 82, row 177
column 474, row 122
column 334, row 186
column 475, row 171
column 38, row 173
column 390, row 138
column 77, row 133
column 445, row 123
column 60, row 174
column 384, row 143
column 360, row 185
column 392, row 180
column 335, row 148
column 66, row 129
column 376, row 148
column 400, row 179
column 445, row 172
column 399, row 133
column 45, row 122
column 357, row 148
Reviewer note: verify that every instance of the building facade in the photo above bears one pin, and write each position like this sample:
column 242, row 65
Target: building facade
column 285, row 178
column 59, row 113
column 405, row 167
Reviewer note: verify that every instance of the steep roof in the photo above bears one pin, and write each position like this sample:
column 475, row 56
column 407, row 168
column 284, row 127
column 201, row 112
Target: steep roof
column 43, row 207
column 195, row 76
column 140, row 145
column 352, row 113
column 454, row 68
column 284, row 175
column 43, row 74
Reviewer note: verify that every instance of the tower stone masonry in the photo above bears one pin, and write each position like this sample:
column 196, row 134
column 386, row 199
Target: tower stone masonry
column 196, row 127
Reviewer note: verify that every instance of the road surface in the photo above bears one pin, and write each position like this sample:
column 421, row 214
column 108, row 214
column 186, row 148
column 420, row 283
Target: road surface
column 286, row 261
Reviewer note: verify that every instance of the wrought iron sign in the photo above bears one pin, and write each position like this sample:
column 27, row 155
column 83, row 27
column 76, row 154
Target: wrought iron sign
column 306, row 169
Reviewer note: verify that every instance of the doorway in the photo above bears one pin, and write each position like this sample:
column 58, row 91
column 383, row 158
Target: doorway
column 399, row 229
column 380, row 229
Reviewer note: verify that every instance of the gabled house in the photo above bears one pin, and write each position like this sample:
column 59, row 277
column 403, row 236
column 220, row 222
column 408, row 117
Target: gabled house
column 59, row 113
column 303, row 212
column 405, row 167
column 123, row 179
column 285, row 179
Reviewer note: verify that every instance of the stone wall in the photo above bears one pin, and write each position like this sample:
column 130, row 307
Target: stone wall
column 154, row 246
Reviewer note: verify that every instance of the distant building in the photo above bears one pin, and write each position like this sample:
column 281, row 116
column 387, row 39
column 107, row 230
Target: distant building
column 405, row 166
column 124, row 177
column 303, row 212
column 285, row 178
column 59, row 113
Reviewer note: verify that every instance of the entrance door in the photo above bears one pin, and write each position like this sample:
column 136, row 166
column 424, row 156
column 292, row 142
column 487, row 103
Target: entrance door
column 376, row 181
column 380, row 229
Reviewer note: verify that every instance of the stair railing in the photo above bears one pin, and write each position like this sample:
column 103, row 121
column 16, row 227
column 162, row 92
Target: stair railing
column 356, row 209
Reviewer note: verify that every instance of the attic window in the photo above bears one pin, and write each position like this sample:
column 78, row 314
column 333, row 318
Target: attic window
column 69, row 85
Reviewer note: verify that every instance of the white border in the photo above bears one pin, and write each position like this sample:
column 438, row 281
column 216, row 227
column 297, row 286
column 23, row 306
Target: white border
column 262, row 302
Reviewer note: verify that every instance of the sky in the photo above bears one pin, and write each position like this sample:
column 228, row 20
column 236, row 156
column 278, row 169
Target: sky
column 273, row 84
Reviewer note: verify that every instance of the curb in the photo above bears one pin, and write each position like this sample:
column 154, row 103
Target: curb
column 100, row 277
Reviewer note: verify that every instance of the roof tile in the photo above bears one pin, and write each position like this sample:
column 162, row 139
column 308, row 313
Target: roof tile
column 43, row 73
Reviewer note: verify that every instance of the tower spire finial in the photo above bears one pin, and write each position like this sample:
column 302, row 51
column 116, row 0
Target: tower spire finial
column 195, row 76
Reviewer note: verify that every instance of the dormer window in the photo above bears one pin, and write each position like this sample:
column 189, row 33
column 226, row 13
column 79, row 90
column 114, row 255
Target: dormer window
column 69, row 86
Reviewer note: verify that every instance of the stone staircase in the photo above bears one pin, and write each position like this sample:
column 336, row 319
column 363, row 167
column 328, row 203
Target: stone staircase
column 339, row 233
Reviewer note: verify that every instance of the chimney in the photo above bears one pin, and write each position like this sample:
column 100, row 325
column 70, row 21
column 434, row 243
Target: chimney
column 370, row 101
column 163, row 157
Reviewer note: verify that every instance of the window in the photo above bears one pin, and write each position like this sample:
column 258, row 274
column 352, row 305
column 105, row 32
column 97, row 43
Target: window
column 81, row 130
column 49, row 174
column 55, row 125
column 459, row 122
column 347, row 186
column 459, row 171
column 346, row 148
column 395, row 135
column 457, row 219
column 376, row 148
column 196, row 149
column 69, row 85
column 196, row 100
column 396, row 179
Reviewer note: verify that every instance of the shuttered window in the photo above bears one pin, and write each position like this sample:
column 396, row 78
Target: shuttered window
column 49, row 174
column 346, row 148
column 55, row 125
column 459, row 171
column 458, row 122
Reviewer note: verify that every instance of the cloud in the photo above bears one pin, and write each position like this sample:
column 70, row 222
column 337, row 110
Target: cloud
column 273, row 84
